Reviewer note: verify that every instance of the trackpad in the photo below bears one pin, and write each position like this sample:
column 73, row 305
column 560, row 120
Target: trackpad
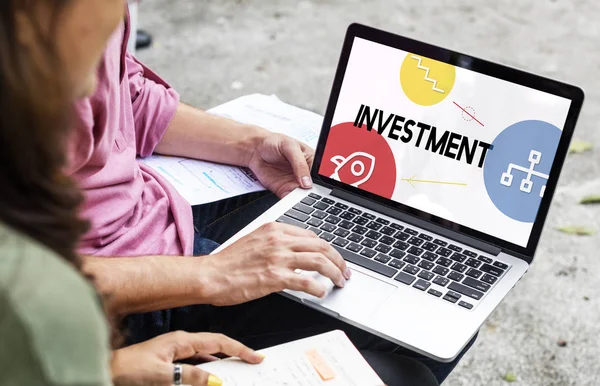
column 361, row 296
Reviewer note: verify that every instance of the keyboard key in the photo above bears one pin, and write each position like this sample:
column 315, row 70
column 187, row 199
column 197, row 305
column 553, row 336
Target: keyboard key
column 341, row 242
column 426, row 275
column 320, row 215
column 333, row 213
column 416, row 241
column 355, row 237
column 333, row 219
column 469, row 253
column 445, row 262
column 415, row 251
column 366, row 263
column 500, row 265
column 422, row 285
column 387, row 240
column 411, row 269
column 308, row 201
column 472, row 272
column 382, row 258
column 327, row 236
column 466, row 305
column 429, row 246
column 374, row 225
column 450, row 299
column 315, row 222
column 471, row 262
column 383, row 248
column 411, row 259
column 405, row 278
column 441, row 281
column 388, row 231
column 459, row 257
column 369, row 216
column 439, row 242
column 369, row 243
column 401, row 245
column 360, row 230
column 396, row 263
column 429, row 256
column 341, row 206
column 347, row 216
column 453, row 294
column 435, row 293
column 444, row 252
column 317, row 231
column 287, row 220
column 426, row 265
column 360, row 221
column 397, row 226
column 411, row 231
column 328, row 227
column 441, row 270
column 425, row 237
column 328, row 201
column 455, row 248
column 491, row 269
column 456, row 276
column 297, row 215
column 467, row 291
column 368, row 252
column 401, row 236
column 485, row 259
column 315, row 196
column 489, row 279
column 341, row 232
column 459, row 267
column 321, row 205
column 483, row 287
column 354, row 247
column 354, row 211
column 382, row 221
column 346, row 224
column 304, row 209
column 397, row 254
column 373, row 235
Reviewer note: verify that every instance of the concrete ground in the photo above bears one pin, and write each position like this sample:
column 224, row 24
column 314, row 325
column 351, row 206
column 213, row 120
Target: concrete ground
column 213, row 51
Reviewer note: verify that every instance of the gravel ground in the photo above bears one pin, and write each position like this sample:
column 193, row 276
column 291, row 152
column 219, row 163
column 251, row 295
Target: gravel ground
column 213, row 51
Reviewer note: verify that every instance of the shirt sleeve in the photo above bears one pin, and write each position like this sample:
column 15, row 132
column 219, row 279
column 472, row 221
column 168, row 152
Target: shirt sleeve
column 154, row 105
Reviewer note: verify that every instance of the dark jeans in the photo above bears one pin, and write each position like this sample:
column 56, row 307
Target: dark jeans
column 274, row 319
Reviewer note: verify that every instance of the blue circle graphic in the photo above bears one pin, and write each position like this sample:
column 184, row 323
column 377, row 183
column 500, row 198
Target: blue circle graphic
column 517, row 166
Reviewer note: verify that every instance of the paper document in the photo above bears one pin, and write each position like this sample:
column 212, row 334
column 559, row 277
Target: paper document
column 328, row 359
column 202, row 182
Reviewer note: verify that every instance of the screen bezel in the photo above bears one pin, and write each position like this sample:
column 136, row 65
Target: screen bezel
column 570, row 92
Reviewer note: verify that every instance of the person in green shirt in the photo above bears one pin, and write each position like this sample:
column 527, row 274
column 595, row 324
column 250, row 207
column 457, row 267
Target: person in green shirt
column 53, row 330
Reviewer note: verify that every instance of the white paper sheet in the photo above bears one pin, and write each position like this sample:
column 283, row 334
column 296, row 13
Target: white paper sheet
column 202, row 182
column 289, row 365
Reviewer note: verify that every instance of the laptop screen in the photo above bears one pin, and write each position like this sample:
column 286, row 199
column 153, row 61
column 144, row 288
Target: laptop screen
column 454, row 143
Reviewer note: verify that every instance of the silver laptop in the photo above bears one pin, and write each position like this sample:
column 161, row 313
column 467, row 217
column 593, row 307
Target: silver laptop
column 433, row 176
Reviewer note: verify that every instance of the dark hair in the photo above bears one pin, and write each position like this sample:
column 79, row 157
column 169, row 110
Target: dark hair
column 36, row 197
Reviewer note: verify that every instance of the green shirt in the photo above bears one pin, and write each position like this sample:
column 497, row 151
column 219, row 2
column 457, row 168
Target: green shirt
column 52, row 329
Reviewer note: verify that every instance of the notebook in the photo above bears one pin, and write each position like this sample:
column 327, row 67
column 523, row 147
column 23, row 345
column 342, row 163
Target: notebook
column 327, row 359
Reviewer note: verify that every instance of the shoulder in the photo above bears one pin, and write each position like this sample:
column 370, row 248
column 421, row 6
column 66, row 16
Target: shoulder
column 53, row 316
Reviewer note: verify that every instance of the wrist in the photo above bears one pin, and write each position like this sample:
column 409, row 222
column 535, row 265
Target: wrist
column 255, row 135
column 210, row 283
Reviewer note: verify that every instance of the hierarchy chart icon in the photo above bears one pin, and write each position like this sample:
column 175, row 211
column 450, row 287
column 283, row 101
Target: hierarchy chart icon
column 535, row 157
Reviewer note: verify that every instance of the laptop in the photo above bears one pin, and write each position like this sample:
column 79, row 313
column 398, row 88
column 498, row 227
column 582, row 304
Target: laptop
column 433, row 176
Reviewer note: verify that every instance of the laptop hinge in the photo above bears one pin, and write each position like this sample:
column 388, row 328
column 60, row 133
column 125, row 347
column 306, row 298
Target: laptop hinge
column 434, row 228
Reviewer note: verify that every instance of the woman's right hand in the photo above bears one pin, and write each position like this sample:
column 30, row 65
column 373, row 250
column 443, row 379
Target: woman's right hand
column 151, row 363
column 265, row 261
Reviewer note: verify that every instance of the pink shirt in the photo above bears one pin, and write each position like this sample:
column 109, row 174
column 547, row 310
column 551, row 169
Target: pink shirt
column 133, row 211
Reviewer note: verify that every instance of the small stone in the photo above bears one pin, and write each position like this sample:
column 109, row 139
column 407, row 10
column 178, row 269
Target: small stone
column 562, row 343
column 237, row 85
column 586, row 298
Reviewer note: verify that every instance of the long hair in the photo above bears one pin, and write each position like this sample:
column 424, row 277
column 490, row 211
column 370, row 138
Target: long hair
column 36, row 197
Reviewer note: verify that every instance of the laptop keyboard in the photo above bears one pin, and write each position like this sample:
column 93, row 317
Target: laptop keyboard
column 440, row 268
